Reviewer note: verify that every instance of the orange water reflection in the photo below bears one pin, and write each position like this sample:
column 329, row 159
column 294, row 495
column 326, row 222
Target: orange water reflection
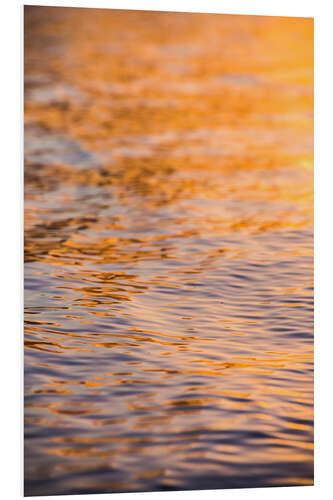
column 168, row 251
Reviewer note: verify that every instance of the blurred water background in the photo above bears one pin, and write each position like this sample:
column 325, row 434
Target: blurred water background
column 168, row 251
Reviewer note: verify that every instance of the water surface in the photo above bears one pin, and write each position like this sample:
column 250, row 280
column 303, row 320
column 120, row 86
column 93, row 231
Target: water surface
column 168, row 251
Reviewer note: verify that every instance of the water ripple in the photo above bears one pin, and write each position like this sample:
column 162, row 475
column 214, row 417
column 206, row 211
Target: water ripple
column 168, row 251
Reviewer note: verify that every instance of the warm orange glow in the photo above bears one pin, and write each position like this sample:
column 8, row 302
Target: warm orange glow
column 168, row 251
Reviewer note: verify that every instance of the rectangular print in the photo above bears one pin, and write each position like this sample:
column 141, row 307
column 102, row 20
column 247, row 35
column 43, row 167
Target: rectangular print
column 168, row 251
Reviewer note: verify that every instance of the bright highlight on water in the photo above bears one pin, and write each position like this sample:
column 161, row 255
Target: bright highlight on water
column 168, row 251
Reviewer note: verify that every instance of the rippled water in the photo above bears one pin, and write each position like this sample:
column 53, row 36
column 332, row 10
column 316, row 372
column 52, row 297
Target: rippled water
column 168, row 251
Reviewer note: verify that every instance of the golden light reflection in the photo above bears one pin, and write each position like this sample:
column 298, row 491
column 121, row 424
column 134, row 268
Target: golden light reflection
column 168, row 251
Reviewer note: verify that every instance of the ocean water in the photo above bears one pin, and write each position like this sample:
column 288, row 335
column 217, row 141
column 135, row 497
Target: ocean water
column 168, row 251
